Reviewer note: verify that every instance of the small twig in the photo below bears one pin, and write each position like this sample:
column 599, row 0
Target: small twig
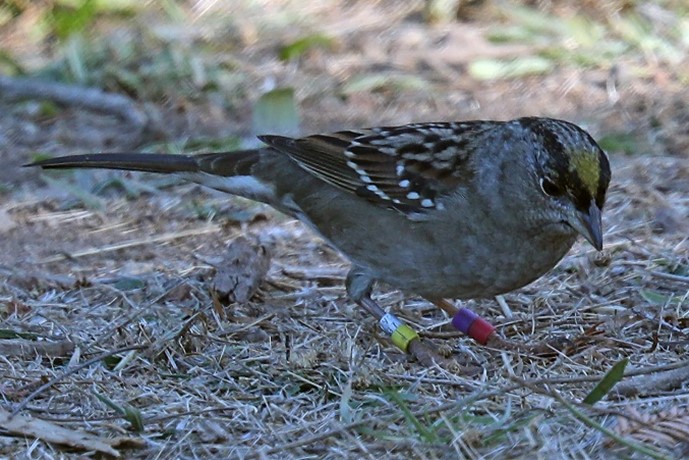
column 130, row 243
column 299, row 272
column 26, row 349
column 506, row 310
column 656, row 382
column 71, row 371
column 670, row 276
column 29, row 427
column 596, row 378
column 434, row 381
column 76, row 96
column 245, row 327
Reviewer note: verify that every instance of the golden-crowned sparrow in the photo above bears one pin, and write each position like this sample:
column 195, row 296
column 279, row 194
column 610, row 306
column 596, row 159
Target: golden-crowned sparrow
column 458, row 209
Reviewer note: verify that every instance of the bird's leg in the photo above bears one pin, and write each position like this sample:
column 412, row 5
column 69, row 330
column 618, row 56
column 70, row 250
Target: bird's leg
column 484, row 333
column 359, row 285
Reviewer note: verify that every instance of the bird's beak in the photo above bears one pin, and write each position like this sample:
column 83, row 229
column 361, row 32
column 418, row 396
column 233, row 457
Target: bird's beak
column 589, row 225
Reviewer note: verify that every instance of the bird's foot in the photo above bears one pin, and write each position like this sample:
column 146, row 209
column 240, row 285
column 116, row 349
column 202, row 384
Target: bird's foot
column 552, row 347
column 484, row 333
column 428, row 355
column 544, row 349
column 425, row 353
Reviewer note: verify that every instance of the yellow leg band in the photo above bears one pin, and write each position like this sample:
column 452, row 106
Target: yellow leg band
column 400, row 334
column 402, row 337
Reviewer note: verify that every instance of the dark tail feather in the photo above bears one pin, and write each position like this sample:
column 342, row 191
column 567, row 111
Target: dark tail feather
column 149, row 162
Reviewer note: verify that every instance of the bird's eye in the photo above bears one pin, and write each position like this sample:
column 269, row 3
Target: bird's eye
column 549, row 188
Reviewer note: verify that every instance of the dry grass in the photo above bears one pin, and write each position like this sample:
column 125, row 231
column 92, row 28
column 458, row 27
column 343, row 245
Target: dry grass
column 299, row 371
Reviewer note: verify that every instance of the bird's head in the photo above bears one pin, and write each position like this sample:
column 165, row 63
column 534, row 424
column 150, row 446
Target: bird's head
column 572, row 175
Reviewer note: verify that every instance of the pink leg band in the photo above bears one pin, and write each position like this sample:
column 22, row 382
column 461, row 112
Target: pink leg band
column 473, row 325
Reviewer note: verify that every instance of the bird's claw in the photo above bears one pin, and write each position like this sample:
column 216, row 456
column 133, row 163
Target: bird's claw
column 427, row 355
column 545, row 349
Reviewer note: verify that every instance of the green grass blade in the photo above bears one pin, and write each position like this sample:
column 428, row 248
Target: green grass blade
column 608, row 381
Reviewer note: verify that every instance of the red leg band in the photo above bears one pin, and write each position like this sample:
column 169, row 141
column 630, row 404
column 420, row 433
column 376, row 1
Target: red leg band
column 473, row 325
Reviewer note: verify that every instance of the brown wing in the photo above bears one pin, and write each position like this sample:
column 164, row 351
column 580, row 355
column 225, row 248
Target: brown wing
column 321, row 155
column 402, row 167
